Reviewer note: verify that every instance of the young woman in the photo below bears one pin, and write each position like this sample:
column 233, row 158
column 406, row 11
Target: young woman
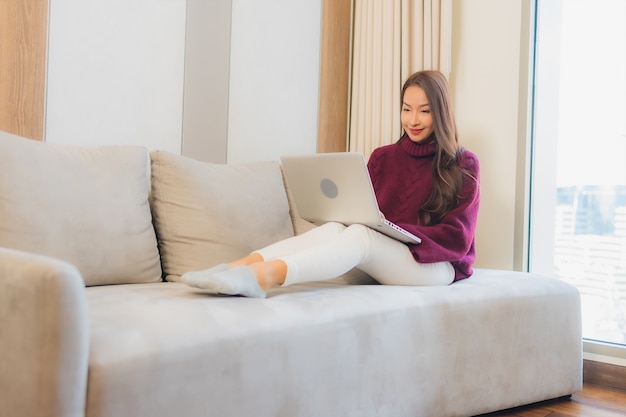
column 425, row 183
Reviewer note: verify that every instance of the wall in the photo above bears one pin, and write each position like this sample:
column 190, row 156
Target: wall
column 220, row 81
column 489, row 80
column 115, row 72
column 274, row 78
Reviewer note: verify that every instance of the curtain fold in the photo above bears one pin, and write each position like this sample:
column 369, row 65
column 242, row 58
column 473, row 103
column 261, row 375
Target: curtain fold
column 391, row 40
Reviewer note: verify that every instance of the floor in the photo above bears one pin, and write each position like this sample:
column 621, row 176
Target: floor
column 592, row 401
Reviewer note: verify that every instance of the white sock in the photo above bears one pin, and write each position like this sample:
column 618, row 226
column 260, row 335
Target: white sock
column 239, row 280
column 191, row 278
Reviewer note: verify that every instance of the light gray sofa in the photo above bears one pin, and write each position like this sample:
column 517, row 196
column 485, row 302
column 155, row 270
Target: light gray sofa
column 88, row 326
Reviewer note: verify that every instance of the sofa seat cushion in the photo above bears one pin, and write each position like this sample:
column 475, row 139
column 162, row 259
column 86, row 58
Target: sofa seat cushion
column 496, row 340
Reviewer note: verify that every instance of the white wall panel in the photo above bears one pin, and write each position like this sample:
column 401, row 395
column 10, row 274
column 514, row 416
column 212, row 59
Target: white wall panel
column 115, row 72
column 274, row 78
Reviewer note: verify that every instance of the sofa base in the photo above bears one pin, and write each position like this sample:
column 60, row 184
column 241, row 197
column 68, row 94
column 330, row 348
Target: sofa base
column 497, row 340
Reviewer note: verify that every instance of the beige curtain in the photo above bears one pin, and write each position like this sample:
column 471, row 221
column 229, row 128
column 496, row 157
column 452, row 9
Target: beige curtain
column 391, row 40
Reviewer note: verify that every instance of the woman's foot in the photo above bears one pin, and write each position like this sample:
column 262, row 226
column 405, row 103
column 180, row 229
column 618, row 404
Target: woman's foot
column 192, row 278
column 250, row 276
column 237, row 280
column 269, row 274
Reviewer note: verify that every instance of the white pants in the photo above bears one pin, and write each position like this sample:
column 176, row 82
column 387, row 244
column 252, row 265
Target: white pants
column 333, row 249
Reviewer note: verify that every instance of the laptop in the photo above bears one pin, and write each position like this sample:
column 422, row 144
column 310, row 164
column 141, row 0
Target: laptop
column 337, row 187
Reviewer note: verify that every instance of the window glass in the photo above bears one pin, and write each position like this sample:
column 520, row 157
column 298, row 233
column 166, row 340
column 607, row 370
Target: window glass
column 578, row 213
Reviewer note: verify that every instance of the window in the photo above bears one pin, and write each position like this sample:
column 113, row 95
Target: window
column 578, row 191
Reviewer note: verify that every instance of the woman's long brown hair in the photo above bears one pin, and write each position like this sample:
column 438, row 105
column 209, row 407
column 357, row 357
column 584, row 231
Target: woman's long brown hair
column 447, row 173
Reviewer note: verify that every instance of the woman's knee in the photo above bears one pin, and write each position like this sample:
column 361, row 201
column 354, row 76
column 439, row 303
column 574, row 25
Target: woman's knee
column 362, row 237
column 359, row 230
column 331, row 228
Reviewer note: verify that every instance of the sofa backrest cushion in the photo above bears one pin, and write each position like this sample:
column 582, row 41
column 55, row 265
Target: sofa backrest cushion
column 85, row 205
column 206, row 214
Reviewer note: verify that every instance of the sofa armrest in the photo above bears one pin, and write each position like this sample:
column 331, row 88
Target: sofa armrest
column 43, row 336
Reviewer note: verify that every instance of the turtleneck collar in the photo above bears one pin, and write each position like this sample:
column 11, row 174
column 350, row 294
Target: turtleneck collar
column 417, row 149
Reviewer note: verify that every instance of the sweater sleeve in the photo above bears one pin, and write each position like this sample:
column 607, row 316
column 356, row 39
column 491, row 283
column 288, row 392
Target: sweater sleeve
column 452, row 239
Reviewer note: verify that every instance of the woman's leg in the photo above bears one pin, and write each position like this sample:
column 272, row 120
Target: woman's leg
column 383, row 258
column 327, row 254
column 391, row 263
column 262, row 264
column 266, row 263
column 314, row 237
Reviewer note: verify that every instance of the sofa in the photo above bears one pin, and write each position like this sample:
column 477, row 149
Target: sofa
column 93, row 320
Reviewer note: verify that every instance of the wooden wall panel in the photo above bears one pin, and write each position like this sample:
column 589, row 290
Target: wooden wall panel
column 605, row 374
column 334, row 76
column 23, row 40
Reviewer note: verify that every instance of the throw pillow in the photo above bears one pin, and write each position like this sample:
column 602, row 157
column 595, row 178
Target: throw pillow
column 85, row 205
column 206, row 214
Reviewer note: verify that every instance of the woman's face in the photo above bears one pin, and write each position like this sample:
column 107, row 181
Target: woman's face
column 417, row 121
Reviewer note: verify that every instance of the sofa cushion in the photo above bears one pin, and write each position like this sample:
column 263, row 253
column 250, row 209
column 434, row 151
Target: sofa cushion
column 85, row 205
column 496, row 340
column 207, row 214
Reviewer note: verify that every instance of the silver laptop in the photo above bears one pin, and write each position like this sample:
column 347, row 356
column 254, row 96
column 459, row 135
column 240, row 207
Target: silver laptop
column 337, row 187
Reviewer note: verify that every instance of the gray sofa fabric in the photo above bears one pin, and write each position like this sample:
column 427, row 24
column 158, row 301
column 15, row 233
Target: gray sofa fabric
column 497, row 340
column 44, row 336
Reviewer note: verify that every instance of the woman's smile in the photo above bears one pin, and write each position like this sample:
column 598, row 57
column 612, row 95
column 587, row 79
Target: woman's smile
column 415, row 132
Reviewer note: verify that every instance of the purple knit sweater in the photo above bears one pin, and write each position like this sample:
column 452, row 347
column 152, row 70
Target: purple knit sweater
column 402, row 179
